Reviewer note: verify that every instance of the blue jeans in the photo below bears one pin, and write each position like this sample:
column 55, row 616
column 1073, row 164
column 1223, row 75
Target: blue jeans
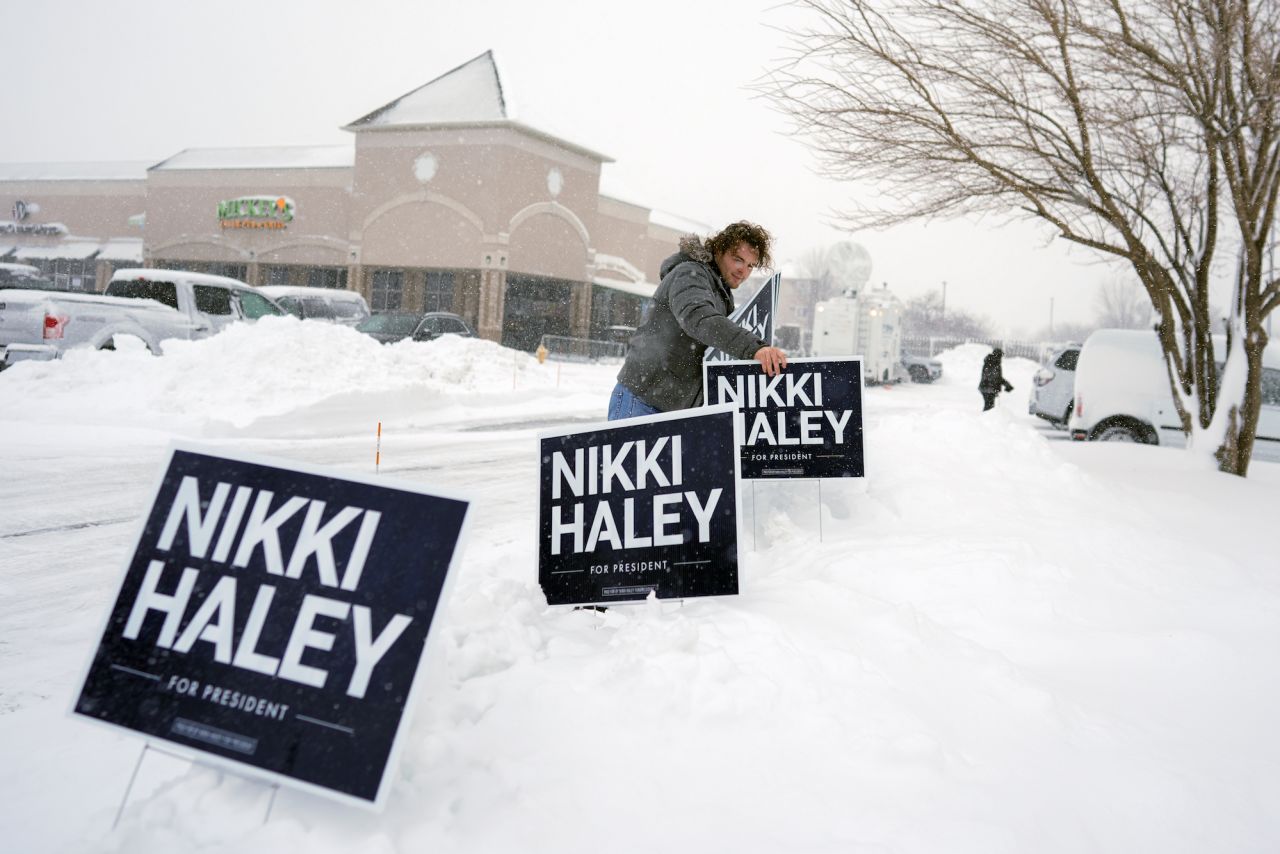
column 624, row 404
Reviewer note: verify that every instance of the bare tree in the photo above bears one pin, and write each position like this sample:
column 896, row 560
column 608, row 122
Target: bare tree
column 1121, row 303
column 1068, row 331
column 926, row 316
column 1142, row 129
column 815, row 265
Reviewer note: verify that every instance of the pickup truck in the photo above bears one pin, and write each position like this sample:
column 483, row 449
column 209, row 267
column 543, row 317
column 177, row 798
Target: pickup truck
column 151, row 305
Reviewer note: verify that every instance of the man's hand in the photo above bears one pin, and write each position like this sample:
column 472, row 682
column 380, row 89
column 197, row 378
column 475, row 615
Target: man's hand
column 771, row 359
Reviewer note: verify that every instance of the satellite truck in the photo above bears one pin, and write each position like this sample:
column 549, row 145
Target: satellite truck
column 865, row 323
column 862, row 321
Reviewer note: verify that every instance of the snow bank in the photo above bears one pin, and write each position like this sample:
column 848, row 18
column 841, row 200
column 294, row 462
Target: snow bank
column 998, row 642
column 280, row 377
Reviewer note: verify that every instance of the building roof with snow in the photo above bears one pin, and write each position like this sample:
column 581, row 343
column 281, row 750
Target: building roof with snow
column 260, row 157
column 469, row 95
column 128, row 170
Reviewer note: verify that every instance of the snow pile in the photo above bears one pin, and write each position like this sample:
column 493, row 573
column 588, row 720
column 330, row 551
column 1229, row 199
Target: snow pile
column 279, row 376
column 998, row 642
column 963, row 365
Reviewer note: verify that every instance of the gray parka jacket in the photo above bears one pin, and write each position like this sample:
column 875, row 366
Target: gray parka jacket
column 690, row 312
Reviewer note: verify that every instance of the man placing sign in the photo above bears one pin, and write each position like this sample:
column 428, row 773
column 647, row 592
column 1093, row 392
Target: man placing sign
column 663, row 369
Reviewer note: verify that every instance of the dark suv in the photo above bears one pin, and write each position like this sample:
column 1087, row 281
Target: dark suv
column 392, row 326
column 437, row 323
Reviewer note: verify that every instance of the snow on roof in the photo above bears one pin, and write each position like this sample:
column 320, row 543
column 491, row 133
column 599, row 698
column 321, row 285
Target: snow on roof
column 154, row 274
column 640, row 289
column 122, row 249
column 124, row 170
column 619, row 265
column 265, row 157
column 275, row 291
column 471, row 92
column 878, row 297
column 74, row 250
column 634, row 281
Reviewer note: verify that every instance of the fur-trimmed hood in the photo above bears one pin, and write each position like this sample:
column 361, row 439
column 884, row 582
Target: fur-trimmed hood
column 691, row 249
column 692, row 245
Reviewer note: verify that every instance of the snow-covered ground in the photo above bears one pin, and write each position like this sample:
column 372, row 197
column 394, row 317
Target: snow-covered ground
column 1002, row 641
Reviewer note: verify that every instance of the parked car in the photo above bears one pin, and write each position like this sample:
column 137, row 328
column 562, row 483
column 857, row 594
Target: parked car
column 212, row 302
column 437, row 323
column 1053, row 386
column 921, row 369
column 333, row 304
column 390, row 326
column 1122, row 393
column 25, row 276
column 37, row 284
column 150, row 305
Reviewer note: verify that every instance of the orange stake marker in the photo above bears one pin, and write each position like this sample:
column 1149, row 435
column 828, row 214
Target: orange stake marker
column 377, row 454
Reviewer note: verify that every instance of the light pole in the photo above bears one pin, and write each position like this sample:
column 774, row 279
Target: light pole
column 944, row 298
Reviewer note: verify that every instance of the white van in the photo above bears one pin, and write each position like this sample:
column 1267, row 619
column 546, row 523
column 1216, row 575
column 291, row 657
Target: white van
column 1122, row 393
column 333, row 304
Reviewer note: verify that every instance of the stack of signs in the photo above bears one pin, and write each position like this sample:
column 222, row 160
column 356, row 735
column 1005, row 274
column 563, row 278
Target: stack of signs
column 274, row 618
column 756, row 315
column 806, row 422
column 638, row 506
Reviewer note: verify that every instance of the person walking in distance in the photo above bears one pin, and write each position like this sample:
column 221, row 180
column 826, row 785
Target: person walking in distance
column 992, row 378
column 691, row 308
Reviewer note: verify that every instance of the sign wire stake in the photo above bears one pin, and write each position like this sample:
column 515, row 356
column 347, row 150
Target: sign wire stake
column 129, row 788
column 377, row 453
column 819, row 509
column 755, row 545
column 271, row 802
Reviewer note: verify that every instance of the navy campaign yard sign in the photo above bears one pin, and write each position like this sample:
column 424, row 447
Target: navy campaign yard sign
column 804, row 423
column 273, row 617
column 640, row 505
column 756, row 315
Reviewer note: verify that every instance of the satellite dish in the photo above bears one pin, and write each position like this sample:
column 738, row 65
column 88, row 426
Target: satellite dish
column 850, row 265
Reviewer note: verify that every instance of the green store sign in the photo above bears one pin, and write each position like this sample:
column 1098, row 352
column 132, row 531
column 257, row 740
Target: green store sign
column 256, row 212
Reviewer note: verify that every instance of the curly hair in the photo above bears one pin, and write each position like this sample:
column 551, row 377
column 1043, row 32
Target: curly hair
column 742, row 231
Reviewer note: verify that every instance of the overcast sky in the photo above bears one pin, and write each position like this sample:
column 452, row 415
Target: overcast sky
column 660, row 86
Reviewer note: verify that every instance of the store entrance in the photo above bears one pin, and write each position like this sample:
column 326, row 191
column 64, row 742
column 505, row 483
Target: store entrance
column 534, row 306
